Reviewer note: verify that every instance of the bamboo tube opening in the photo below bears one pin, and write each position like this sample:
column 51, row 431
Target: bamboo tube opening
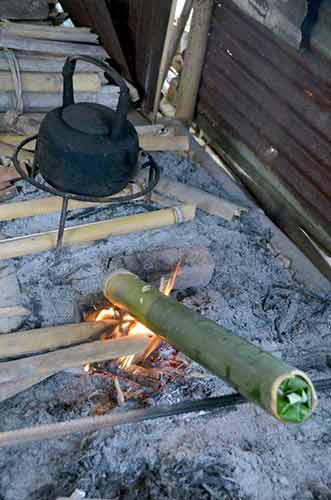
column 293, row 397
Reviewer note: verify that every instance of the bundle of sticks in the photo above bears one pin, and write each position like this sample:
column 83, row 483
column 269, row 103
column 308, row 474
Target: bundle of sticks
column 31, row 62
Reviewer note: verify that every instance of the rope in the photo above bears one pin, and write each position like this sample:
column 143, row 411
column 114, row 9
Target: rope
column 11, row 116
column 92, row 424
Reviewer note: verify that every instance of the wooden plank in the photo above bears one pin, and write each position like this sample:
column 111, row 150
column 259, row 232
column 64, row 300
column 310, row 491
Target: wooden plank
column 49, row 32
column 45, row 365
column 88, row 233
column 194, row 60
column 50, row 338
column 48, row 47
column 165, row 143
column 50, row 82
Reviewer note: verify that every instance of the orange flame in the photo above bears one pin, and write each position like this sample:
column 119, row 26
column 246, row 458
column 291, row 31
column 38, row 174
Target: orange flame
column 132, row 327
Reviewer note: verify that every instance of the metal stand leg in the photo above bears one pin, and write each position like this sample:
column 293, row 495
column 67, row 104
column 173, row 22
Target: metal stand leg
column 64, row 212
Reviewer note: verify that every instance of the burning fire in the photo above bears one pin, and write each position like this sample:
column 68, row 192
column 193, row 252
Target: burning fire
column 129, row 326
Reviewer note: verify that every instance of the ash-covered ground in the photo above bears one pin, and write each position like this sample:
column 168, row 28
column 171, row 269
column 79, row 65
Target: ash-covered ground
column 239, row 453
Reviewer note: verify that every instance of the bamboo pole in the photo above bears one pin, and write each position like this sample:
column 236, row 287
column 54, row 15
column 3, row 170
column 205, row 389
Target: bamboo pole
column 281, row 390
column 211, row 204
column 50, row 82
column 88, row 233
column 10, row 41
column 46, row 365
column 44, row 102
column 42, row 63
column 194, row 59
column 18, row 344
column 163, row 65
column 44, row 206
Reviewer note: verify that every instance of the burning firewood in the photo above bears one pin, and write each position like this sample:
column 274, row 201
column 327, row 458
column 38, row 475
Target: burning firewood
column 50, row 338
column 50, row 363
column 283, row 391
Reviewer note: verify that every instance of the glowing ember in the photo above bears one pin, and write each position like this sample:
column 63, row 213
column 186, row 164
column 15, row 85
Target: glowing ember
column 129, row 326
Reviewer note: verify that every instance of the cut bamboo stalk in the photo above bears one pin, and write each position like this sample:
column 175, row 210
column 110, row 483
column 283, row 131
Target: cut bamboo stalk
column 194, row 59
column 40, row 63
column 165, row 143
column 18, row 344
column 163, row 65
column 147, row 142
column 281, row 390
column 48, row 47
column 44, row 102
column 88, row 233
column 49, row 32
column 50, row 82
column 205, row 201
column 51, row 204
column 45, row 365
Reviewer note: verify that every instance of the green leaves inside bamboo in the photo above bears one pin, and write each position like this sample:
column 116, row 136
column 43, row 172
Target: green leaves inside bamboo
column 294, row 400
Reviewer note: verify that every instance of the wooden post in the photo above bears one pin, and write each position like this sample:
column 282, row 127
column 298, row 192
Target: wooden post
column 164, row 59
column 194, row 59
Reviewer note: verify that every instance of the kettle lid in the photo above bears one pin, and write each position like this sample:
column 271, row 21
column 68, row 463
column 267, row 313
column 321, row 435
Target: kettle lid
column 89, row 118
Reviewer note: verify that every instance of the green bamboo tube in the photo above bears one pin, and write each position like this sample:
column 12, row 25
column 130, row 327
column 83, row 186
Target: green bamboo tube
column 281, row 390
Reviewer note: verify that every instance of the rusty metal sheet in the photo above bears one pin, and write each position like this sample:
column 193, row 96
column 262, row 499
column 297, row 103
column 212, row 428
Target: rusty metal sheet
column 275, row 101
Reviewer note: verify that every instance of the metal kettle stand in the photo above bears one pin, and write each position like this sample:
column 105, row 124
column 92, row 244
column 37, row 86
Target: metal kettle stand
column 153, row 179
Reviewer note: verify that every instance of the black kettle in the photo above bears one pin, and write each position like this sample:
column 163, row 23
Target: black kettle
column 88, row 149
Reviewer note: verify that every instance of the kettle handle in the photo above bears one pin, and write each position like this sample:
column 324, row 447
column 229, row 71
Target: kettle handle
column 123, row 102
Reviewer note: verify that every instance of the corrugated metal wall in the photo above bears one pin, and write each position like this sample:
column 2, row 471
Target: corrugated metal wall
column 140, row 29
column 277, row 102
